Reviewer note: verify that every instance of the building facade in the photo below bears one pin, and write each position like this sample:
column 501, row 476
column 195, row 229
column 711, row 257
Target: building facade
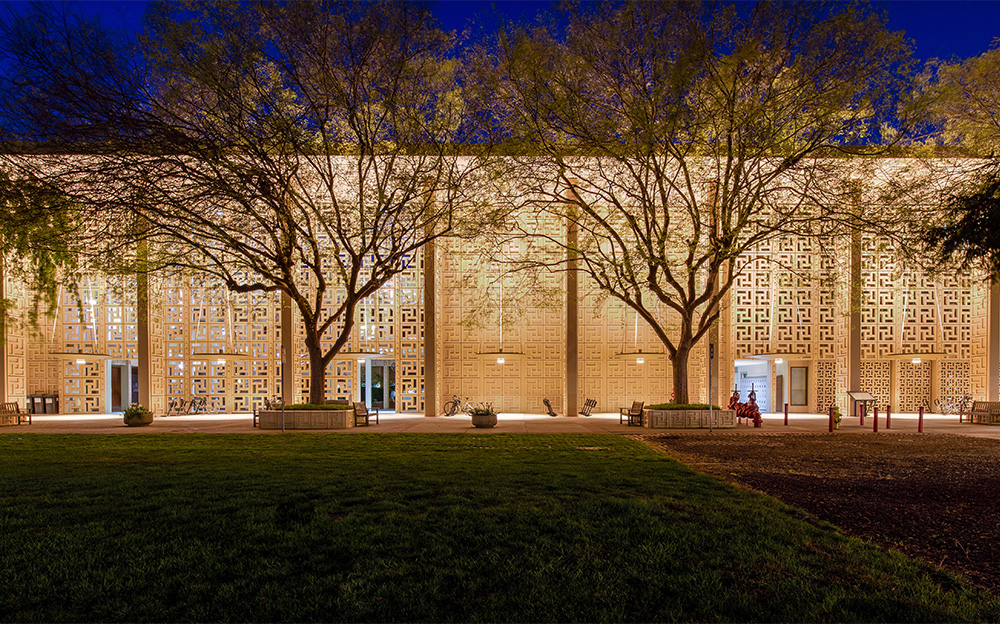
column 802, row 325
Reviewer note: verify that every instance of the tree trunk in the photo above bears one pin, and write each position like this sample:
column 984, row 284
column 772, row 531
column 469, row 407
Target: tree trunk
column 317, row 370
column 680, row 372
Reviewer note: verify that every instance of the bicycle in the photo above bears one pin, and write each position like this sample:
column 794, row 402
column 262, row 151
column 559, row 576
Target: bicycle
column 453, row 406
column 952, row 405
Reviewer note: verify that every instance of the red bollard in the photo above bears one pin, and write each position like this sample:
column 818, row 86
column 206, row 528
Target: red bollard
column 786, row 414
column 920, row 420
column 831, row 419
column 875, row 419
column 864, row 408
column 888, row 415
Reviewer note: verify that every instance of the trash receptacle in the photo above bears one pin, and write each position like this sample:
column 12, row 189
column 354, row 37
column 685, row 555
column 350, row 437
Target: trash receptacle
column 51, row 403
column 36, row 404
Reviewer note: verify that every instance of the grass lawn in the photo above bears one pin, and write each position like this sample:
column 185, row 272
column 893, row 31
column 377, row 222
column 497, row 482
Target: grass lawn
column 305, row 527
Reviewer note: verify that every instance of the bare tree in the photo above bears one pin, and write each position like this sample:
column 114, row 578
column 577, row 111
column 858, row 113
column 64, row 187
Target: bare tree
column 675, row 137
column 306, row 148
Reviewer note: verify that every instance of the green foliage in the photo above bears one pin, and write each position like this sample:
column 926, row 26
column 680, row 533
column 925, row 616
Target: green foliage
column 36, row 228
column 318, row 406
column 444, row 528
column 483, row 409
column 680, row 406
column 969, row 233
column 136, row 411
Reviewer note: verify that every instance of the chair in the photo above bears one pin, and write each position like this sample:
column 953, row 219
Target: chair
column 634, row 413
column 362, row 414
column 588, row 407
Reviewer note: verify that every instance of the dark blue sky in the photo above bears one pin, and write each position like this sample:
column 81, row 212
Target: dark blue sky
column 941, row 28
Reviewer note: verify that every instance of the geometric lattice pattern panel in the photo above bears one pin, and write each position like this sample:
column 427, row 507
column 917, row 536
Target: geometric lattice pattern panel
column 979, row 355
column 953, row 379
column 826, row 384
column 875, row 379
column 470, row 312
column 780, row 304
column 617, row 382
column 914, row 384
column 906, row 311
column 202, row 317
column 16, row 345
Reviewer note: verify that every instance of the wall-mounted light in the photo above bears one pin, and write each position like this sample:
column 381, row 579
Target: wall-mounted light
column 500, row 360
column 779, row 361
column 915, row 361
column 81, row 361
column 640, row 360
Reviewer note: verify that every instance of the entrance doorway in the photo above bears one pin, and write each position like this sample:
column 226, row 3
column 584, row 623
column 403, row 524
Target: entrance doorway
column 121, row 380
column 378, row 384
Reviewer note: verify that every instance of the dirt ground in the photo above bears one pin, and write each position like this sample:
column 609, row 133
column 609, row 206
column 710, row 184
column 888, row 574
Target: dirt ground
column 932, row 496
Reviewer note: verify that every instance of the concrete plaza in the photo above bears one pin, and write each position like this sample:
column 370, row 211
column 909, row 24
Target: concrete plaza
column 508, row 423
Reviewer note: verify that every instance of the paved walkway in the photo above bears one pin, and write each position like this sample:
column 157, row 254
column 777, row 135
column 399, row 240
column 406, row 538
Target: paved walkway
column 508, row 423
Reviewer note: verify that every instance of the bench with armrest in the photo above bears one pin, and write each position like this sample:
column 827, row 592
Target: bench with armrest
column 588, row 407
column 363, row 416
column 13, row 409
column 984, row 413
column 633, row 414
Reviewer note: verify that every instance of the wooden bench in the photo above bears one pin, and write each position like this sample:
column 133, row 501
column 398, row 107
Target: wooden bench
column 12, row 412
column 985, row 413
column 362, row 416
column 634, row 413
column 588, row 407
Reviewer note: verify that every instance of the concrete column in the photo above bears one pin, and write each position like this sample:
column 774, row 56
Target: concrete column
column 3, row 332
column 145, row 371
column 430, row 332
column 287, row 355
column 572, row 314
column 368, row 383
column 993, row 346
column 854, row 346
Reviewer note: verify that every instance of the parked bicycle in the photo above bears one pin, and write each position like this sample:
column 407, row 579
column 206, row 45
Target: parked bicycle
column 954, row 405
column 453, row 406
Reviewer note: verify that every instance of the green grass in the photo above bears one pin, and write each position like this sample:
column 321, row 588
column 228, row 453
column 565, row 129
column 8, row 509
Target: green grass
column 305, row 527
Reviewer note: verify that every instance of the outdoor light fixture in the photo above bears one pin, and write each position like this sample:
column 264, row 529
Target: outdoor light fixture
column 81, row 361
column 918, row 357
column 779, row 361
column 500, row 360
column 640, row 360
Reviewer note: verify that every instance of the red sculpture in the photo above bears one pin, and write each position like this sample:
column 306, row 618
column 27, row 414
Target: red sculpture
column 748, row 410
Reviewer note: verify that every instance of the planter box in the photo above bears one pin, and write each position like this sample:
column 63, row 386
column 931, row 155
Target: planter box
column 307, row 419
column 688, row 419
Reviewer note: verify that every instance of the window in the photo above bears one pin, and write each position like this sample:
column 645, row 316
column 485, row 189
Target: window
column 798, row 389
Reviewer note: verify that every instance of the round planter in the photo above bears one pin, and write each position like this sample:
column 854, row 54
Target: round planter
column 138, row 421
column 484, row 420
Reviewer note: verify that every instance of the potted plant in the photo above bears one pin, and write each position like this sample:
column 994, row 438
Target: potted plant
column 137, row 415
column 483, row 415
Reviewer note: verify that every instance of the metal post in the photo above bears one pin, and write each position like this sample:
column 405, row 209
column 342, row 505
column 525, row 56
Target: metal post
column 920, row 420
column 282, row 415
column 711, row 355
column 888, row 416
column 831, row 419
column 875, row 419
column 786, row 414
column 864, row 407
